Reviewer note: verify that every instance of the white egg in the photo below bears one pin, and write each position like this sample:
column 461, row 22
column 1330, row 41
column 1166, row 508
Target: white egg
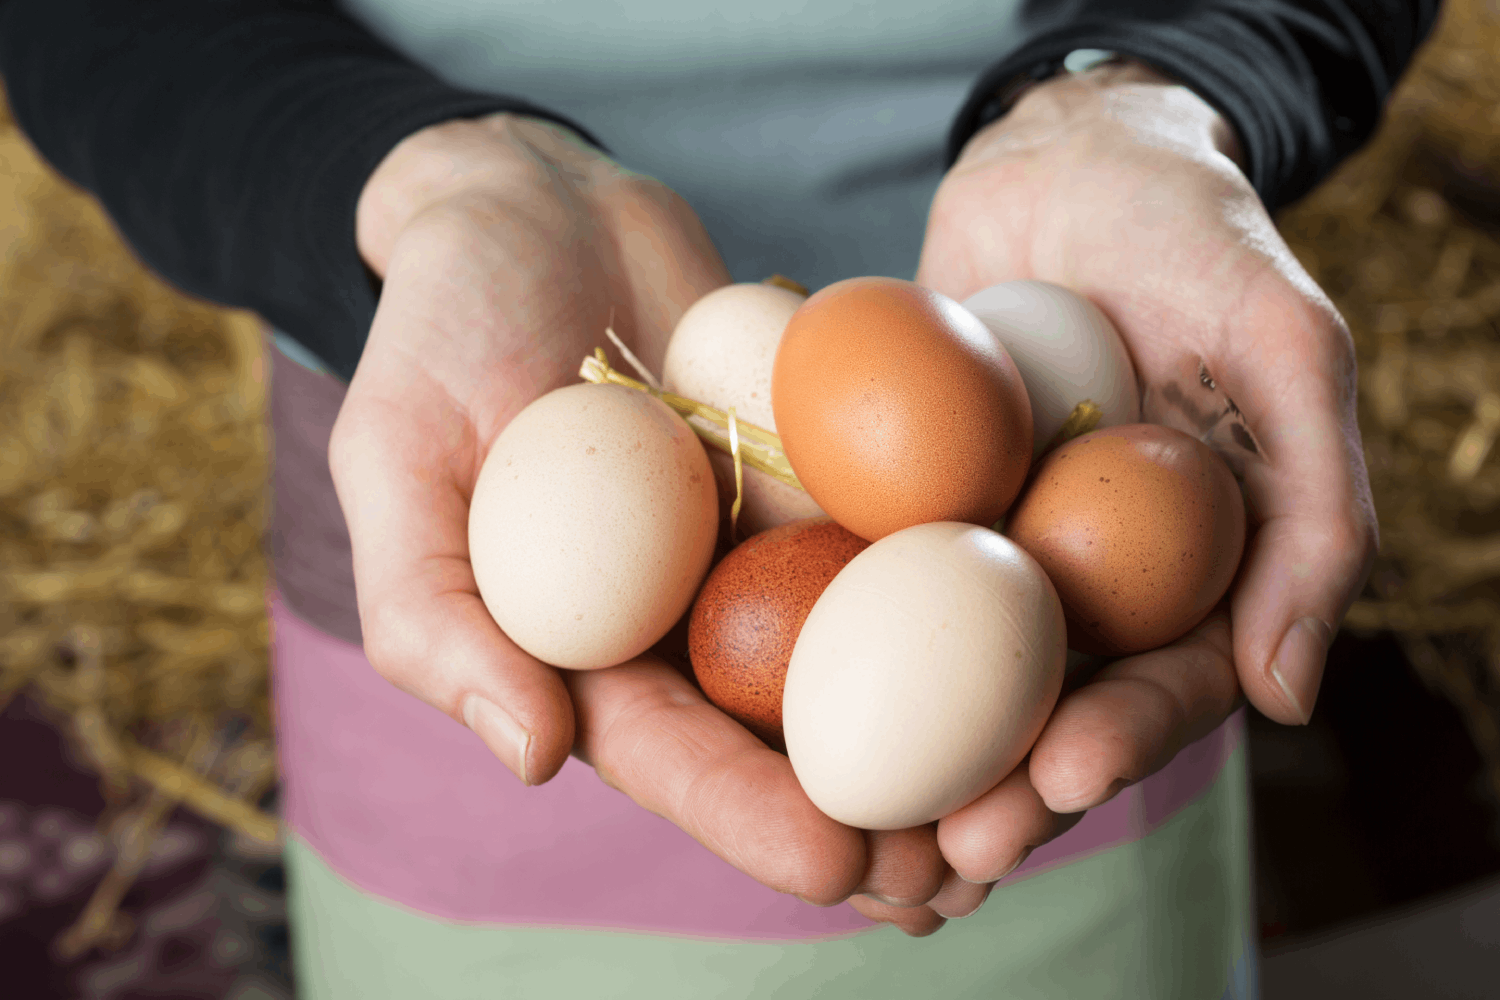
column 721, row 353
column 592, row 525
column 923, row 674
column 1067, row 351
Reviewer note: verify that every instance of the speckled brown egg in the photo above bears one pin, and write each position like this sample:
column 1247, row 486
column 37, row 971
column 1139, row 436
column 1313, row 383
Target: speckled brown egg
column 897, row 406
column 1140, row 528
column 746, row 618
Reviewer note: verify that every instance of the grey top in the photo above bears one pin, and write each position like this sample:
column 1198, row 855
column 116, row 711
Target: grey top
column 809, row 136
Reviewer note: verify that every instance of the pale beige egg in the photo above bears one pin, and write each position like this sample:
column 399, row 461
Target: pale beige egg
column 923, row 674
column 592, row 525
column 721, row 353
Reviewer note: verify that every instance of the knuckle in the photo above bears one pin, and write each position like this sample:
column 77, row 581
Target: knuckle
column 1351, row 538
column 948, row 203
column 828, row 885
column 393, row 649
column 649, row 201
column 343, row 445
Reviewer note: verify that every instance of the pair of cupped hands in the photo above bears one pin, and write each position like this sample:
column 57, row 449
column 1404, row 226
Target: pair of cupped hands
column 506, row 244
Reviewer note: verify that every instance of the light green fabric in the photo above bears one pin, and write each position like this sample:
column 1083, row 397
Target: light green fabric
column 1141, row 920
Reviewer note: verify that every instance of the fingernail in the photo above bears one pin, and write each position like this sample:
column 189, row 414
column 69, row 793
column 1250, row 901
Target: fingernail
column 1298, row 663
column 1115, row 788
column 501, row 733
column 1084, row 805
column 887, row 900
column 814, row 902
column 977, row 907
column 1019, row 862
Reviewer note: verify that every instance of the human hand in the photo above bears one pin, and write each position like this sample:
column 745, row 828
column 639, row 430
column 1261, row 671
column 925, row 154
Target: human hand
column 1124, row 187
column 505, row 246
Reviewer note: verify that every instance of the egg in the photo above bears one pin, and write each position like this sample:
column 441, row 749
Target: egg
column 1140, row 527
column 592, row 523
column 721, row 353
column 922, row 676
column 746, row 618
column 1067, row 351
column 896, row 407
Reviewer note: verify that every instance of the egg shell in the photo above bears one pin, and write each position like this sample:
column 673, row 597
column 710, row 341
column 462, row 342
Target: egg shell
column 922, row 676
column 721, row 353
column 1140, row 528
column 1067, row 351
column 592, row 524
column 896, row 406
column 747, row 616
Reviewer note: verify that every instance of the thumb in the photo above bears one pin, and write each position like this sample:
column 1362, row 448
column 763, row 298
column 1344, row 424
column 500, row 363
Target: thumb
column 426, row 630
column 1318, row 534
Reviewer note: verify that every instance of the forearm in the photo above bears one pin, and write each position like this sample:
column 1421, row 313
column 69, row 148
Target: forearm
column 1128, row 93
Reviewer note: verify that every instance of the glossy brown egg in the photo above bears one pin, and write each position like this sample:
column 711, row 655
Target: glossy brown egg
column 746, row 618
column 897, row 406
column 1140, row 528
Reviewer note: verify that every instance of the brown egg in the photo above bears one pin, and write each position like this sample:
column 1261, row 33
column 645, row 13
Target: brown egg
column 750, row 610
column 897, row 406
column 1140, row 527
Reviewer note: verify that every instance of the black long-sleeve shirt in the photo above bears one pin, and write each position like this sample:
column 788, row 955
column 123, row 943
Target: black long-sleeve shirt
column 230, row 139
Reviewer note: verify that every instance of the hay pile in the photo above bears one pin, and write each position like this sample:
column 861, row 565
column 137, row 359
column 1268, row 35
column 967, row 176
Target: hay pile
column 133, row 487
column 1405, row 237
column 133, row 459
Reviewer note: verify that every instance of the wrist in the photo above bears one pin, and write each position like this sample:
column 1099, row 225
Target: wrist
column 1120, row 91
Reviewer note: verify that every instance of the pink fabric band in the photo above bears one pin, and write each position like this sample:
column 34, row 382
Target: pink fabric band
column 412, row 807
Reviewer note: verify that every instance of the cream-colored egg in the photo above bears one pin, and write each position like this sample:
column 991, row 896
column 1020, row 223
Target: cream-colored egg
column 922, row 676
column 721, row 353
column 592, row 525
column 1067, row 351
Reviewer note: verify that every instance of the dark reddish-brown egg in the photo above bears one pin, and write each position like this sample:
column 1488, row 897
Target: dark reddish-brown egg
column 746, row 618
column 897, row 406
column 1140, row 528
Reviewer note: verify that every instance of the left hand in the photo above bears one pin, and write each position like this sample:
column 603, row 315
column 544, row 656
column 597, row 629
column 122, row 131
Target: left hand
column 505, row 244
column 1124, row 187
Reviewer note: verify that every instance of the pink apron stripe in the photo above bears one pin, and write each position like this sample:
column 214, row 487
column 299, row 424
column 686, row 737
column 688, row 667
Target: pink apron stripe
column 410, row 806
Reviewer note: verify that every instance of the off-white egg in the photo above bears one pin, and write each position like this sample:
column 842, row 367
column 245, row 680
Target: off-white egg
column 721, row 353
column 592, row 524
column 922, row 676
column 1067, row 351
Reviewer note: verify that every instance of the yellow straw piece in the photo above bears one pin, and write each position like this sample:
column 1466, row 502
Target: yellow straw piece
column 631, row 359
column 739, row 474
column 1474, row 443
column 759, row 448
column 782, row 281
column 1084, row 418
column 206, row 798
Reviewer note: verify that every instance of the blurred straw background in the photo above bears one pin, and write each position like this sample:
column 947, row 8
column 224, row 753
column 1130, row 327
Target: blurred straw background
column 133, row 495
column 134, row 460
column 1405, row 237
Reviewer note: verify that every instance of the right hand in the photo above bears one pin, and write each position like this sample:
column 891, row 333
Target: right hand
column 505, row 246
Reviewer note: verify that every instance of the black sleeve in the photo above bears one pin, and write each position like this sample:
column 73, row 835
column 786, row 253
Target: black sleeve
column 229, row 141
column 1303, row 82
